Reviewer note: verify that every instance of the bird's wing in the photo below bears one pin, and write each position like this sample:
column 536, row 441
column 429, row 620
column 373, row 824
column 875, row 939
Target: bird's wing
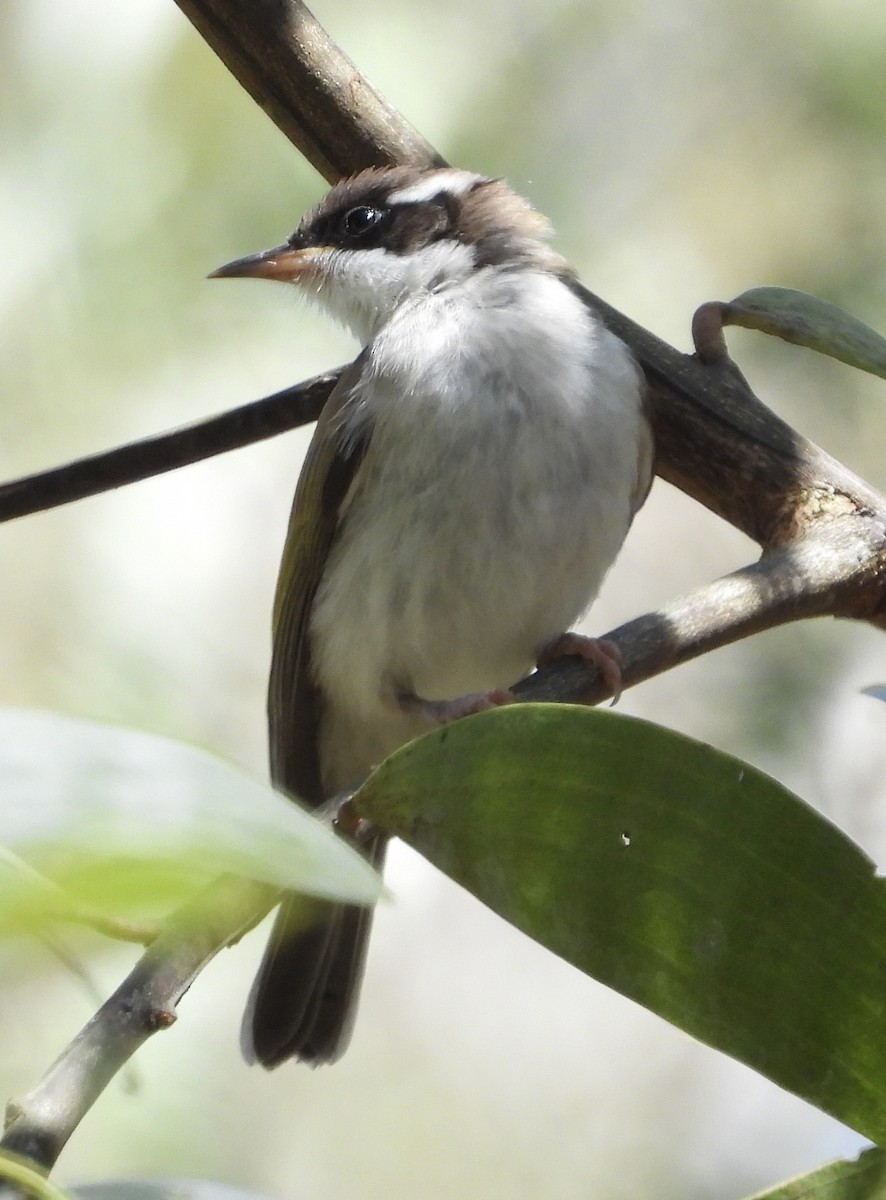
column 645, row 459
column 293, row 697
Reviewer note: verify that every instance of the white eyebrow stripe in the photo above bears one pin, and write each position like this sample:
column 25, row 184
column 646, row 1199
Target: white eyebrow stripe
column 453, row 181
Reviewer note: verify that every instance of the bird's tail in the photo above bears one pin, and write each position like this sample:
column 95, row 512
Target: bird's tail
column 304, row 998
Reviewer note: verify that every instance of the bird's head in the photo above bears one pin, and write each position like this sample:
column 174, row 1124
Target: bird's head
column 386, row 235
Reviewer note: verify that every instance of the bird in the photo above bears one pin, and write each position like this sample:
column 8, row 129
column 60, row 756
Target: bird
column 470, row 480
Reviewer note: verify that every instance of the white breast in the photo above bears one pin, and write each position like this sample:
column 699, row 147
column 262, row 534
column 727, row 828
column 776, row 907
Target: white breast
column 495, row 495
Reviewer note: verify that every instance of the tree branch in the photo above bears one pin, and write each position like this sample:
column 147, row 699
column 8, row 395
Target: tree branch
column 308, row 87
column 826, row 573
column 167, row 451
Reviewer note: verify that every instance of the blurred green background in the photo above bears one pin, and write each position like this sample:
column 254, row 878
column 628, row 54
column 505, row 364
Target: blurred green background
column 685, row 152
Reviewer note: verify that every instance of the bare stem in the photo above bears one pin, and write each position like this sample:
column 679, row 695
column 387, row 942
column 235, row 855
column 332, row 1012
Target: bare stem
column 39, row 1124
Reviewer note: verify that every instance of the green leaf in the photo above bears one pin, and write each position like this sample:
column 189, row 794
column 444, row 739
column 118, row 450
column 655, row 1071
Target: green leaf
column 807, row 321
column 28, row 1180
column 675, row 874
column 864, row 1179
column 122, row 818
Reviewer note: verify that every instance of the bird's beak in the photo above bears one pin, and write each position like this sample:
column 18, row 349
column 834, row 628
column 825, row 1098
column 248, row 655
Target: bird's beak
column 284, row 263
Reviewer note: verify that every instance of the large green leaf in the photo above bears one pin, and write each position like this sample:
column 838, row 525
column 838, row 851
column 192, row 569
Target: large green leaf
column 121, row 817
column 863, row 1179
column 674, row 873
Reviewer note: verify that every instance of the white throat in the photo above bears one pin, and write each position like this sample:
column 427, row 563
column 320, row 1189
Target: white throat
column 362, row 289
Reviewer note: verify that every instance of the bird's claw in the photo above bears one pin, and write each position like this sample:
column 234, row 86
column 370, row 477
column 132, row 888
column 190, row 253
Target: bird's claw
column 604, row 655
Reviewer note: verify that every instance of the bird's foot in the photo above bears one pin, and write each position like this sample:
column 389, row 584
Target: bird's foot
column 605, row 656
column 444, row 712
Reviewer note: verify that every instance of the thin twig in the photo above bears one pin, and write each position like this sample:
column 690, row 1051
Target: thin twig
column 167, row 451
column 39, row 1124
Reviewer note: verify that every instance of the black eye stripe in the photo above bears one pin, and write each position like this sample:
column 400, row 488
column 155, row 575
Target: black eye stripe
column 369, row 221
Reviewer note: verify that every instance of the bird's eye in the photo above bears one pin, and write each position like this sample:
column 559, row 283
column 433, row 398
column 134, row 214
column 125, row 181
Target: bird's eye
column 358, row 221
